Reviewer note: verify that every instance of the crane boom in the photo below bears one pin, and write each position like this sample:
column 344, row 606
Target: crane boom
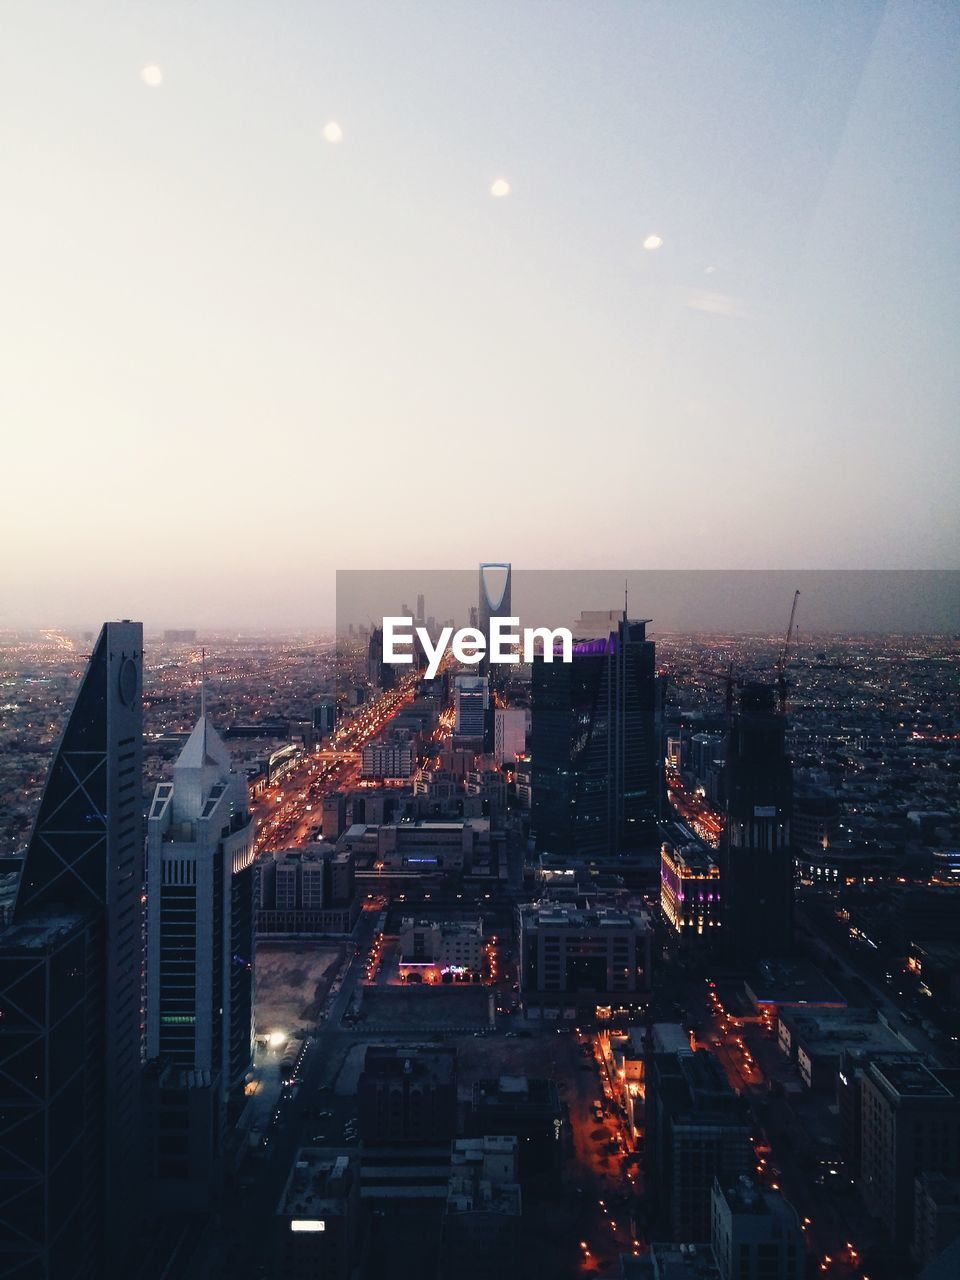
column 784, row 650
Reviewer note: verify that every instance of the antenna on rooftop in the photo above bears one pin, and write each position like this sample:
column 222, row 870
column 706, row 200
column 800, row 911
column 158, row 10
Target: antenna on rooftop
column 203, row 683
column 625, row 599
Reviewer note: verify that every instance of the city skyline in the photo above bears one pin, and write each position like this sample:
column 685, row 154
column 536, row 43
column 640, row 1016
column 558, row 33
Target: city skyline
column 691, row 240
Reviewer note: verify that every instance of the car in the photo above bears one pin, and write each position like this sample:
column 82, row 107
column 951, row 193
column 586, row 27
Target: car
column 318, row 1138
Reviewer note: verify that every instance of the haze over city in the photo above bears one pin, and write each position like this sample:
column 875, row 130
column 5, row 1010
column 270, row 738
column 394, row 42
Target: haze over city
column 650, row 284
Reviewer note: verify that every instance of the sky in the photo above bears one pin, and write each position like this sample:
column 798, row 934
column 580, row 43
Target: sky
column 300, row 286
column 844, row 601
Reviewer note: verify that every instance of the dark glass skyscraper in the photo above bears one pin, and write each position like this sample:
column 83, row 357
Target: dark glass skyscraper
column 593, row 745
column 756, row 863
column 70, row 992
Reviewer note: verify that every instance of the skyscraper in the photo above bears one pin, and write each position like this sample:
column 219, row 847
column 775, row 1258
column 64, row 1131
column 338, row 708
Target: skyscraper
column 472, row 696
column 70, row 986
column 382, row 675
column 593, row 745
column 756, row 864
column 495, row 602
column 200, row 920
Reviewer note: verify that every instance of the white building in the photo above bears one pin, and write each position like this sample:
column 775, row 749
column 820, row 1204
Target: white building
column 445, row 944
column 393, row 758
column 200, row 914
column 509, row 733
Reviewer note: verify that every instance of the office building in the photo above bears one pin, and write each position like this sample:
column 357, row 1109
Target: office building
column 309, row 890
column 334, row 819
column 380, row 674
column 200, row 913
column 706, row 750
column 936, row 1216
column 509, row 734
column 392, row 757
column 70, row 972
column 755, row 1234
column 408, row 1096
column 815, row 818
column 909, row 1125
column 471, row 699
column 199, row 981
column 591, row 960
column 480, row 1232
column 527, row 1108
column 697, row 1130
column 325, row 718
column 593, row 746
column 318, row 1218
column 756, row 864
column 689, row 886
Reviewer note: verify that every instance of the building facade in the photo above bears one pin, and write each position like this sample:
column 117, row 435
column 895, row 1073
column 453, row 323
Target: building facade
column 756, row 863
column 572, row 958
column 70, row 975
column 593, row 749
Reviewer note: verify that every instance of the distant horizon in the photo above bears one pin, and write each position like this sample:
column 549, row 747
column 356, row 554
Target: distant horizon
column 667, row 284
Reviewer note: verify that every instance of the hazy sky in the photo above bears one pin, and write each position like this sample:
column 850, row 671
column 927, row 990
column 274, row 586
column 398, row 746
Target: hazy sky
column 236, row 356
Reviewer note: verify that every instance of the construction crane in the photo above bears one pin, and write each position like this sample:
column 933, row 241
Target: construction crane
column 781, row 667
column 730, row 680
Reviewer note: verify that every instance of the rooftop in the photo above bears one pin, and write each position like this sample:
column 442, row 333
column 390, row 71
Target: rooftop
column 319, row 1184
column 914, row 1080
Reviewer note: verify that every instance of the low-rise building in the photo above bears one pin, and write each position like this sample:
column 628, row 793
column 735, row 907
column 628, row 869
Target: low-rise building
column 309, row 890
column 589, row 959
column 318, row 1218
column 690, row 889
column 817, row 1040
column 755, row 1234
column 435, row 948
column 408, row 1095
column 527, row 1108
column 481, row 1223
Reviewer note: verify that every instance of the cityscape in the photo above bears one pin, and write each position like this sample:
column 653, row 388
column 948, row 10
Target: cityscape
column 480, row 640
column 638, row 965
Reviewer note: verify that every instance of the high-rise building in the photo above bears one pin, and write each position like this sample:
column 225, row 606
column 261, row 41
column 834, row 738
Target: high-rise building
column 325, row 718
column 200, row 913
column 756, row 863
column 593, row 745
column 382, row 675
column 70, row 988
column 471, row 698
column 509, row 733
column 199, row 944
